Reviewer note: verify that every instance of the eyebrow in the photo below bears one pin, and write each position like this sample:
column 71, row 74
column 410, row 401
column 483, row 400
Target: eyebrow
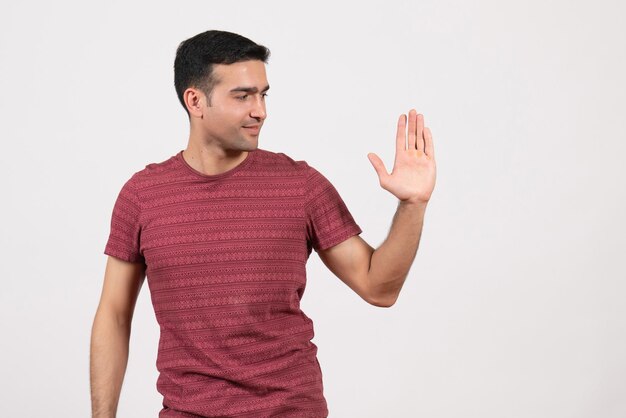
column 250, row 90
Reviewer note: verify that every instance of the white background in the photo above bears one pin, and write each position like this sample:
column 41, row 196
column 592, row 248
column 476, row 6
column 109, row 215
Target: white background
column 514, row 306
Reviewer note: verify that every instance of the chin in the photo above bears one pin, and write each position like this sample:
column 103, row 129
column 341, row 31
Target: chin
column 252, row 145
column 247, row 146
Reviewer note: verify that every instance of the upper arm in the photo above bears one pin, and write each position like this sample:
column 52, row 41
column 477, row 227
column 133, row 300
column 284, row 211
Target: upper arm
column 350, row 262
column 122, row 283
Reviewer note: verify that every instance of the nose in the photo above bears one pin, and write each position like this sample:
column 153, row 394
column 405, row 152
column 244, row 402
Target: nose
column 259, row 111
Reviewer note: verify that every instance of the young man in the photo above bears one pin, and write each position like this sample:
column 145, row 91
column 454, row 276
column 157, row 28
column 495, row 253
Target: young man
column 223, row 230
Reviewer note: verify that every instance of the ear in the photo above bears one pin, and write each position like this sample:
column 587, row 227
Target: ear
column 193, row 100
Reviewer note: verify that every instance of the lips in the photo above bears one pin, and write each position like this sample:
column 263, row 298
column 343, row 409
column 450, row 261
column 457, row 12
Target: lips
column 253, row 128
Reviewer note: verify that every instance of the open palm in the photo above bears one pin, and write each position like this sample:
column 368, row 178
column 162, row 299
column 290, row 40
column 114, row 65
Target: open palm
column 413, row 176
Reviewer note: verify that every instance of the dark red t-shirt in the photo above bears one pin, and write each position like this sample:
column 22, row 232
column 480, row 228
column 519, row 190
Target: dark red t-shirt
column 225, row 261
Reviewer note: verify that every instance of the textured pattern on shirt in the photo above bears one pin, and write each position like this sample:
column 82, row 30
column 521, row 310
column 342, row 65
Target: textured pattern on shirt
column 225, row 261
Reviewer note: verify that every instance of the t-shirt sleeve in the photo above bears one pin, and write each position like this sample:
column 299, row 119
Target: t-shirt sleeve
column 125, row 235
column 328, row 220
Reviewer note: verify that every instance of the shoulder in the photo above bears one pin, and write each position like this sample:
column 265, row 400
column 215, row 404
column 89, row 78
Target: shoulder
column 153, row 174
column 280, row 162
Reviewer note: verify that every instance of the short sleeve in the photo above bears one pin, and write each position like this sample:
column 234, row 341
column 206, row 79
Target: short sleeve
column 125, row 235
column 328, row 220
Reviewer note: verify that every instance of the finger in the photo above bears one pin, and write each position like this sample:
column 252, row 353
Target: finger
column 379, row 166
column 401, row 134
column 419, row 143
column 428, row 140
column 412, row 123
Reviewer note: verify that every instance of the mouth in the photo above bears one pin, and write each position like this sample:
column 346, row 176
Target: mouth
column 253, row 129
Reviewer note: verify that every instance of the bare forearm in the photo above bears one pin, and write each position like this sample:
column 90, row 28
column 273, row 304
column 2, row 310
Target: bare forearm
column 109, row 357
column 391, row 261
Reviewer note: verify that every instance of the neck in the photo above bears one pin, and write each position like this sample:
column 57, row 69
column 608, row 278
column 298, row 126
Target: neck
column 211, row 160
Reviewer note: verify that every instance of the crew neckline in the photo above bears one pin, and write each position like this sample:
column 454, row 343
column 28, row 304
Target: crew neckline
column 219, row 176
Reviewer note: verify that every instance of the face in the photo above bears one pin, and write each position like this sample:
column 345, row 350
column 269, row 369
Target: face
column 236, row 113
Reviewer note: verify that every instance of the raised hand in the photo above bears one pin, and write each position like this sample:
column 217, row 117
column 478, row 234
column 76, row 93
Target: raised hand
column 412, row 179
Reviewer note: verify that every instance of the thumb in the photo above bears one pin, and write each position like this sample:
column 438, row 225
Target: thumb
column 378, row 164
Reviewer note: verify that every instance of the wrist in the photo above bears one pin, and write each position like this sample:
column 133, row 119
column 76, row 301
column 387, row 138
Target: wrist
column 418, row 204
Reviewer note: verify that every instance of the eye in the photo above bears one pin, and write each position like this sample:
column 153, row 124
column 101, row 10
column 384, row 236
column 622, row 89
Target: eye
column 264, row 95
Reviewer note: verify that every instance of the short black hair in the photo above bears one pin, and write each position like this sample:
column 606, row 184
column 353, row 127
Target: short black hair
column 193, row 66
